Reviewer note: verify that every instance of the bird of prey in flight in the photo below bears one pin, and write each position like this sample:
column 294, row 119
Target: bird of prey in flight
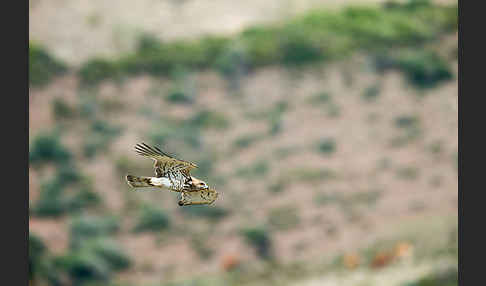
column 174, row 175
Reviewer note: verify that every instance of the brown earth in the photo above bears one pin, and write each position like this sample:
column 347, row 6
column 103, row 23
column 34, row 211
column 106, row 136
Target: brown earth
column 364, row 162
column 413, row 184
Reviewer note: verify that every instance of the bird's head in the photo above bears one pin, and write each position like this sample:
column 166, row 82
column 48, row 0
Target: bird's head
column 199, row 184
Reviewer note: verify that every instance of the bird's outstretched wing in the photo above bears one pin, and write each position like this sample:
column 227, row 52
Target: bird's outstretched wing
column 163, row 162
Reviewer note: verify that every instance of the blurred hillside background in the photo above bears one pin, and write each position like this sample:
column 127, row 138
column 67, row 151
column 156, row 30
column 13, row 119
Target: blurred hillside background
column 329, row 128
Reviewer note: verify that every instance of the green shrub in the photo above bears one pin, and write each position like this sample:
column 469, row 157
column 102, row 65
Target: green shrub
column 274, row 117
column 258, row 169
column 436, row 147
column 50, row 202
column 55, row 199
column 167, row 132
column 84, row 267
column 205, row 166
column 410, row 129
column 283, row 218
column 37, row 250
column 114, row 105
column 61, row 109
column 260, row 45
column 233, row 62
column 94, row 20
column 368, row 198
column 103, row 127
column 277, row 186
column 330, row 107
column 88, row 106
column 96, row 70
column 101, row 136
column 259, row 238
column 327, row 146
column 42, row 271
column 210, row 212
column 410, row 4
column 298, row 48
column 408, row 173
column 200, row 245
column 320, row 98
column 447, row 277
column 304, row 174
column 110, row 252
column 284, row 152
column 275, row 125
column 209, row 119
column 125, row 165
column 160, row 134
column 327, row 198
column 94, row 261
column 406, row 121
column 42, row 66
column 183, row 90
column 93, row 145
column 47, row 147
column 83, row 198
column 37, row 247
column 177, row 95
column 424, row 69
column 188, row 135
column 85, row 227
column 279, row 108
column 320, row 35
column 156, row 58
column 371, row 93
column 333, row 110
column 53, row 204
column 68, row 174
column 245, row 141
column 92, row 257
column 159, row 58
column 152, row 219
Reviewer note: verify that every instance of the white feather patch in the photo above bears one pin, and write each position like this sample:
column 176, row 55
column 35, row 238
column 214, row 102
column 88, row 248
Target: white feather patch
column 161, row 182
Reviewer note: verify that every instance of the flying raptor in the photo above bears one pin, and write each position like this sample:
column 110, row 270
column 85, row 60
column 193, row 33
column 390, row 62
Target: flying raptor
column 174, row 175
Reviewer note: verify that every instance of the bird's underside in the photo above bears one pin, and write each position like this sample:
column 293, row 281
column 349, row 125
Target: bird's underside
column 174, row 175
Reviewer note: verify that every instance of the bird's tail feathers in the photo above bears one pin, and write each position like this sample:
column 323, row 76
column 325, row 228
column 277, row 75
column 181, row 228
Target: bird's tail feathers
column 138, row 181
